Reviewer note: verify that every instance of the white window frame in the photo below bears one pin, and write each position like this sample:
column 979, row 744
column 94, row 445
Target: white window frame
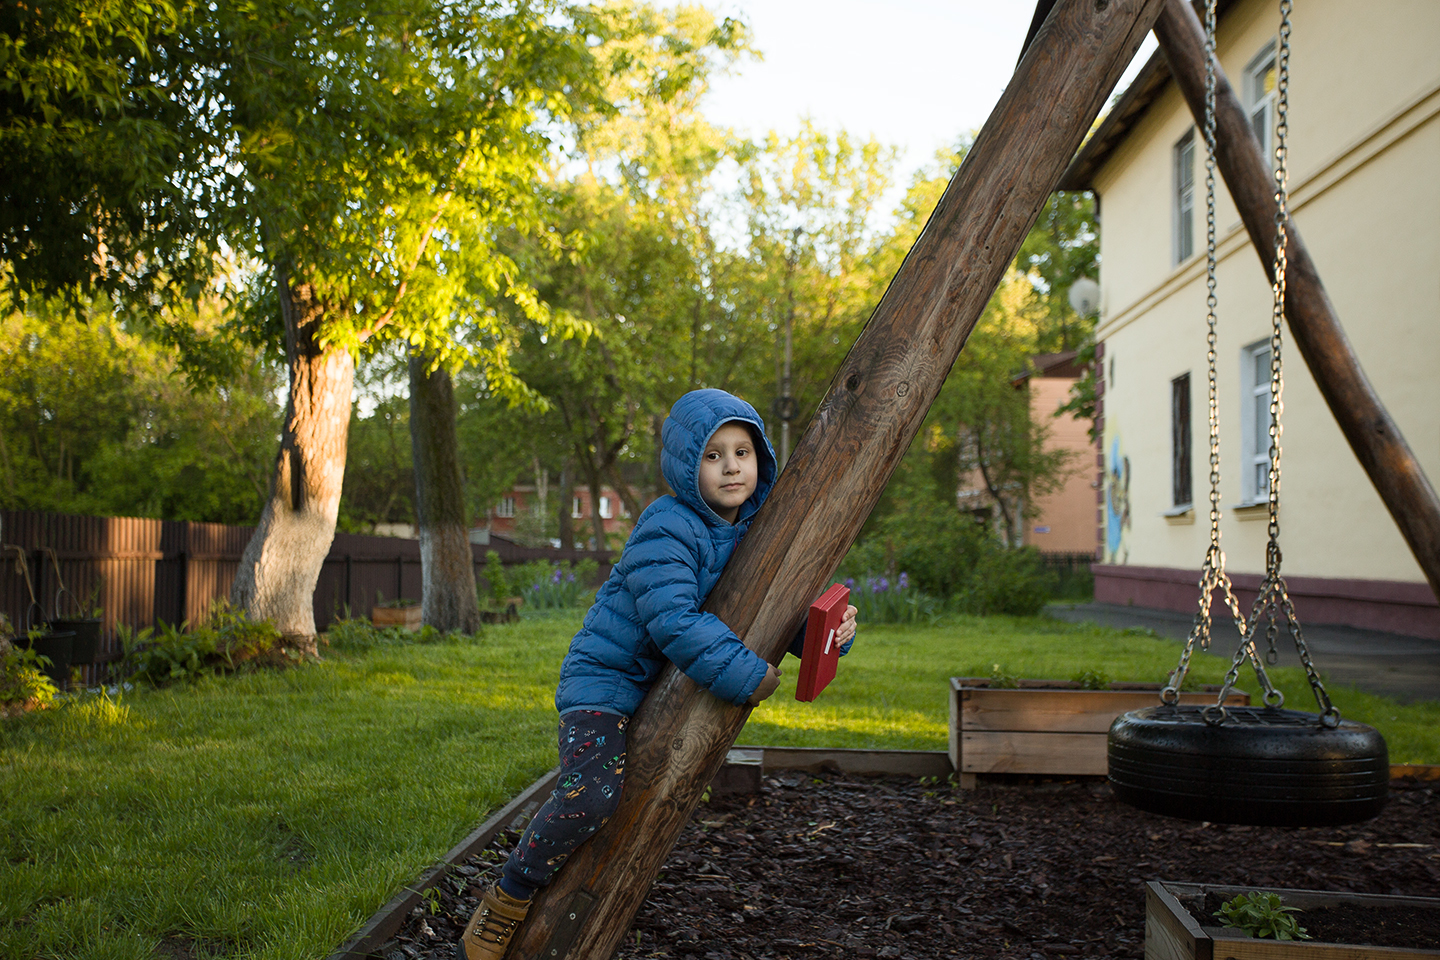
column 1255, row 406
column 505, row 508
column 576, row 508
column 1183, row 201
column 1260, row 103
column 604, row 508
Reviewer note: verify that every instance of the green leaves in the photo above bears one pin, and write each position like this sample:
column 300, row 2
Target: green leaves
column 1262, row 914
column 98, row 417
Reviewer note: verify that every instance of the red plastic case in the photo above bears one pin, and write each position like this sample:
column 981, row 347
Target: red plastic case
column 817, row 663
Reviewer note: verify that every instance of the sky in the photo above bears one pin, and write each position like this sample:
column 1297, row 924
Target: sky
column 915, row 74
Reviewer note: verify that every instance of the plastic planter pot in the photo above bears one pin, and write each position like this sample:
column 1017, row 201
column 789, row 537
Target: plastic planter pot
column 57, row 645
column 87, row 639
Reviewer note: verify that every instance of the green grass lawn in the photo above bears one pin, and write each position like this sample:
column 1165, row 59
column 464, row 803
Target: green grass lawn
column 267, row 816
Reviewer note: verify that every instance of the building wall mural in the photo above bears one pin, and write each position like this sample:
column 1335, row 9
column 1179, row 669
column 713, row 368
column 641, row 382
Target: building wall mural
column 1117, row 504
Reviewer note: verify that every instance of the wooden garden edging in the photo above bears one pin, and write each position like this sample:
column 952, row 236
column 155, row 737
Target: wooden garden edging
column 371, row 939
column 743, row 769
column 1171, row 933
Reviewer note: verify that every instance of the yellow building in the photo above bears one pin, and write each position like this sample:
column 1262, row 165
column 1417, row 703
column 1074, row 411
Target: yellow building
column 1364, row 154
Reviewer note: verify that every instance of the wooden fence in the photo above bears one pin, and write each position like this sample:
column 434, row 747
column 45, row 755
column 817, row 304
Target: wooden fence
column 140, row 572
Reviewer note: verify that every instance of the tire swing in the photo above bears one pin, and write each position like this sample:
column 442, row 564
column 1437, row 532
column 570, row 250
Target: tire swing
column 1261, row 766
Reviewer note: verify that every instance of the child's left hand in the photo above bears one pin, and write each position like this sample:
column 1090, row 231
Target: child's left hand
column 846, row 631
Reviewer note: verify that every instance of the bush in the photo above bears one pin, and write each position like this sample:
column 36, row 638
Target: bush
column 23, row 684
column 949, row 557
column 1007, row 581
column 555, row 586
column 878, row 600
column 359, row 634
column 227, row 642
column 495, row 577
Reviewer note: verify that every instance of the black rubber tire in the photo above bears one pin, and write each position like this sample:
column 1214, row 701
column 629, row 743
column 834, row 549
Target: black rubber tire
column 1262, row 767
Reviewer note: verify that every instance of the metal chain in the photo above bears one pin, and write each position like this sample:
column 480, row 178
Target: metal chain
column 1277, row 312
column 1212, row 571
column 1273, row 602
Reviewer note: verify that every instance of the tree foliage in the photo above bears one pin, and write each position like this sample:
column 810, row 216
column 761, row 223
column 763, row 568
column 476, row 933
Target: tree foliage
column 97, row 418
column 103, row 184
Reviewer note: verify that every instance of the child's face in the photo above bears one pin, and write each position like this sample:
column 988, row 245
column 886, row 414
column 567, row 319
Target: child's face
column 729, row 470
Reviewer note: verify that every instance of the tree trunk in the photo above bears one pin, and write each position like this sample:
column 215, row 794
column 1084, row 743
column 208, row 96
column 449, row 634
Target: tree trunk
column 872, row 410
column 1374, row 437
column 623, row 490
column 565, row 525
column 282, row 562
column 447, row 564
column 597, row 522
column 661, row 488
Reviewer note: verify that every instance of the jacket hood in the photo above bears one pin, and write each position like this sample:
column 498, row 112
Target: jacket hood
column 692, row 422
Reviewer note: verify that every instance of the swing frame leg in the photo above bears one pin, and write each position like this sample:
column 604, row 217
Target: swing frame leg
column 870, row 413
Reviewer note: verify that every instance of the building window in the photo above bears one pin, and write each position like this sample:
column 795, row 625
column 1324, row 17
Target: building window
column 1255, row 407
column 1260, row 99
column 1180, row 441
column 575, row 510
column 604, row 508
column 1185, row 197
column 506, row 507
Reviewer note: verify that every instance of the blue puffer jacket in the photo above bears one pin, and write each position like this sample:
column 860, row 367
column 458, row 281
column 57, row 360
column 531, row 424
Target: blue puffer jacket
column 649, row 610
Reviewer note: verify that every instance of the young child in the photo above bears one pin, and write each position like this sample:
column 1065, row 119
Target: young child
column 717, row 460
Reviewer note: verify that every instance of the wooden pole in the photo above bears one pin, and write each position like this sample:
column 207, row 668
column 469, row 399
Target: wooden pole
column 864, row 424
column 1314, row 327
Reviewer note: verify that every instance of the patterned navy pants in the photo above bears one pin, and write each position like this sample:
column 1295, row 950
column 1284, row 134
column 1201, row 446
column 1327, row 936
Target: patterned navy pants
column 592, row 771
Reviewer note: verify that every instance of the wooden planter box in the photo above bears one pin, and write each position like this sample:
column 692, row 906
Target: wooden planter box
column 1044, row 727
column 504, row 611
column 405, row 617
column 1171, row 933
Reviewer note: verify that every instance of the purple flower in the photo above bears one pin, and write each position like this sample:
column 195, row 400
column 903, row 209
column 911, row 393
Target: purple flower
column 569, row 578
column 903, row 582
column 879, row 586
column 555, row 577
column 850, row 584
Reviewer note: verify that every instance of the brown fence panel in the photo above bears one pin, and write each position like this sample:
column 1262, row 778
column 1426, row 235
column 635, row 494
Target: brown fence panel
column 142, row 572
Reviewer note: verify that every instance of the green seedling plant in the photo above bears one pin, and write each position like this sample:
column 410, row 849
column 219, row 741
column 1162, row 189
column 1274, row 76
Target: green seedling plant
column 22, row 681
column 1001, row 679
column 1092, row 680
column 1260, row 914
column 227, row 642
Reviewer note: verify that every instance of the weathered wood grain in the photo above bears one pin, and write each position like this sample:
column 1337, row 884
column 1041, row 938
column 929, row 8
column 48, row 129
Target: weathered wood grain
column 866, row 421
column 1315, row 329
column 1062, row 711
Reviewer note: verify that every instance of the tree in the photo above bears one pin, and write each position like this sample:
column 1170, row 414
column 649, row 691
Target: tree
column 634, row 266
column 810, row 203
column 103, row 186
column 384, row 151
column 98, row 418
column 979, row 432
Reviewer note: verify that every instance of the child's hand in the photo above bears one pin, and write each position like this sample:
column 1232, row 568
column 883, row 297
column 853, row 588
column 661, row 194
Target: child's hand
column 767, row 686
column 846, row 631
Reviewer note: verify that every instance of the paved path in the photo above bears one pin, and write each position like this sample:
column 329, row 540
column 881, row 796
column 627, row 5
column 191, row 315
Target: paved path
column 1406, row 668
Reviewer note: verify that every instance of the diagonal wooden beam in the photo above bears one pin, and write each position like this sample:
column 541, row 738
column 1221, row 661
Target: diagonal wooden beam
column 871, row 412
column 1316, row 330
